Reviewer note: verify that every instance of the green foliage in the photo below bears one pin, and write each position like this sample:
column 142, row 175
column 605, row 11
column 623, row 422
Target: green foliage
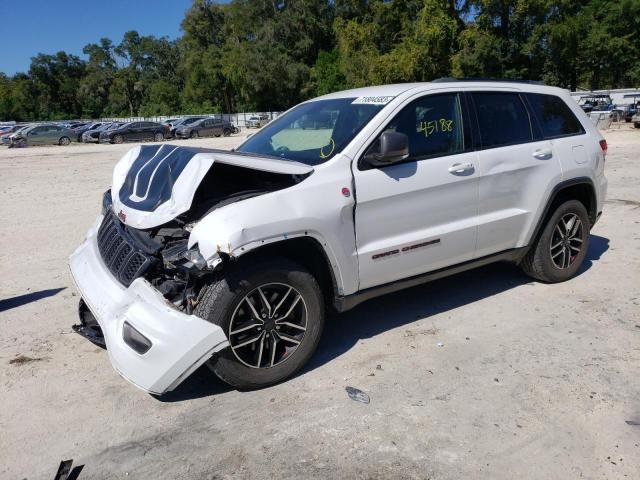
column 271, row 54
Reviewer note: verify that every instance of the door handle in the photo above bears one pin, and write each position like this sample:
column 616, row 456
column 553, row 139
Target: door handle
column 543, row 154
column 461, row 168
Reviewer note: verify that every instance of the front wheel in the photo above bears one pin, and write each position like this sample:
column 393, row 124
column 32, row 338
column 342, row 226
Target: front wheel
column 272, row 313
column 226, row 132
column 64, row 141
column 118, row 138
column 561, row 248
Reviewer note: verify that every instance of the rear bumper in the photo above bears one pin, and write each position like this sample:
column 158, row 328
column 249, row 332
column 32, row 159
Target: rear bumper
column 180, row 342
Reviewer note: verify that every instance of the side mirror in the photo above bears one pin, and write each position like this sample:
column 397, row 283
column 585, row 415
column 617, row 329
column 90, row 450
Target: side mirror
column 393, row 147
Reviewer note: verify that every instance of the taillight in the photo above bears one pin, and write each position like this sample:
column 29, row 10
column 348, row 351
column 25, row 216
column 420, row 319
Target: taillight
column 604, row 146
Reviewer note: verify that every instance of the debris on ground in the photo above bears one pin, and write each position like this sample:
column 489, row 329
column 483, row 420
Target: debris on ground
column 415, row 333
column 357, row 395
column 23, row 359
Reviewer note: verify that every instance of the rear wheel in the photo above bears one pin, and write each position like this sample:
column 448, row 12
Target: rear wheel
column 118, row 138
column 561, row 248
column 64, row 141
column 272, row 313
column 158, row 137
column 226, row 132
column 194, row 134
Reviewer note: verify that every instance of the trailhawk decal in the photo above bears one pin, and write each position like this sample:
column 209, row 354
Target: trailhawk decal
column 408, row 248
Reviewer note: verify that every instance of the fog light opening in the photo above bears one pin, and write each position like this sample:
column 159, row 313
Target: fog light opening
column 135, row 339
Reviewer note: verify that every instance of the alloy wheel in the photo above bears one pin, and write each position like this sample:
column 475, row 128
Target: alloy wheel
column 268, row 325
column 566, row 241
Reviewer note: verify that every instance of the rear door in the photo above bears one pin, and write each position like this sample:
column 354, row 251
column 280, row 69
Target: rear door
column 517, row 169
column 149, row 130
column 207, row 128
column 53, row 134
column 419, row 215
column 216, row 127
column 133, row 132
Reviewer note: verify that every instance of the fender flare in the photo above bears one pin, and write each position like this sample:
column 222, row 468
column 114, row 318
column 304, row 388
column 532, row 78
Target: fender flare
column 322, row 247
column 555, row 194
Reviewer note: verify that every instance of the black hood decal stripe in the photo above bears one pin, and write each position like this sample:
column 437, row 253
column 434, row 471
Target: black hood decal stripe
column 150, row 179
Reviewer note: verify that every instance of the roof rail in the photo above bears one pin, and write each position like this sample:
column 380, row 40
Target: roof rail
column 481, row 79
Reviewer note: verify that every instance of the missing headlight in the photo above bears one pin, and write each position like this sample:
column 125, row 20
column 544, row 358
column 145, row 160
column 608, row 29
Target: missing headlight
column 179, row 256
column 106, row 202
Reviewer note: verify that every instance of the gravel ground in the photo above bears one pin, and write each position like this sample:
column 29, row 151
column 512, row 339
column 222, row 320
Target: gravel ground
column 532, row 381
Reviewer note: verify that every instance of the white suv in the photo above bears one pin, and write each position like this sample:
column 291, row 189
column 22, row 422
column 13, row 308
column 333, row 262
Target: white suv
column 230, row 258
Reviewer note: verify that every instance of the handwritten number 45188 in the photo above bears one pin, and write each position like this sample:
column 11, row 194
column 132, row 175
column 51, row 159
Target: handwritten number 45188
column 435, row 126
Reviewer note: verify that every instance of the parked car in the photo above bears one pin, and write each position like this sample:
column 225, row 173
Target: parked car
column 596, row 103
column 93, row 135
column 207, row 127
column 79, row 130
column 182, row 122
column 229, row 258
column 47, row 134
column 257, row 121
column 135, row 132
column 170, row 121
column 5, row 136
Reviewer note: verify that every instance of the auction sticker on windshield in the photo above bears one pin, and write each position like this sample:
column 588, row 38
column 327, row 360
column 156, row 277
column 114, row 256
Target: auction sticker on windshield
column 379, row 100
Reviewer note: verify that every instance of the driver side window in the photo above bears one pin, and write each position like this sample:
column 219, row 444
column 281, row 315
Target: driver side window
column 433, row 125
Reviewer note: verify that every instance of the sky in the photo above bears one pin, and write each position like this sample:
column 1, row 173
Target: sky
column 48, row 26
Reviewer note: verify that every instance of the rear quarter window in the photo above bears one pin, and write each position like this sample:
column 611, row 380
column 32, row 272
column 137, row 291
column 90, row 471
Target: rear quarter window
column 554, row 116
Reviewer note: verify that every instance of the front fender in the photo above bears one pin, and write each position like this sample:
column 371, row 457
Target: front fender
column 241, row 227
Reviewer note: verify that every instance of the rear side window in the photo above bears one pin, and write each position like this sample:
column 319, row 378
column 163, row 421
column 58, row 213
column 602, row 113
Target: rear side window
column 555, row 118
column 502, row 119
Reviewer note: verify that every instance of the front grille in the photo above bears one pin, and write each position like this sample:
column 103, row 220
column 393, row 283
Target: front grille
column 119, row 252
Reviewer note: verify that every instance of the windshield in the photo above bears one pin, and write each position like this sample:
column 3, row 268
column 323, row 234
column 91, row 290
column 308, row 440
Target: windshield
column 313, row 132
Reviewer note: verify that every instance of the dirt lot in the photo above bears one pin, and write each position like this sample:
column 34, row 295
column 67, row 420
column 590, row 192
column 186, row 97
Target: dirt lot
column 532, row 381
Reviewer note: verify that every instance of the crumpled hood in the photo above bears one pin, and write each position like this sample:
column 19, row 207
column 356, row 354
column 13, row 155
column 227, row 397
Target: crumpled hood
column 152, row 184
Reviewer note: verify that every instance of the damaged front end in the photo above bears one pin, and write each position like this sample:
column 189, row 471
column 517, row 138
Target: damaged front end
column 137, row 272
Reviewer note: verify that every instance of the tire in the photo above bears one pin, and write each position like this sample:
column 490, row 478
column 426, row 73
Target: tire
column 224, row 303
column 636, row 124
column 64, row 141
column 549, row 260
column 194, row 134
column 118, row 138
column 158, row 137
column 226, row 132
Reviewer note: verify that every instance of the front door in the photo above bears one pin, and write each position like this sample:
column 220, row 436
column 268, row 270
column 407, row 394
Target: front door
column 419, row 215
